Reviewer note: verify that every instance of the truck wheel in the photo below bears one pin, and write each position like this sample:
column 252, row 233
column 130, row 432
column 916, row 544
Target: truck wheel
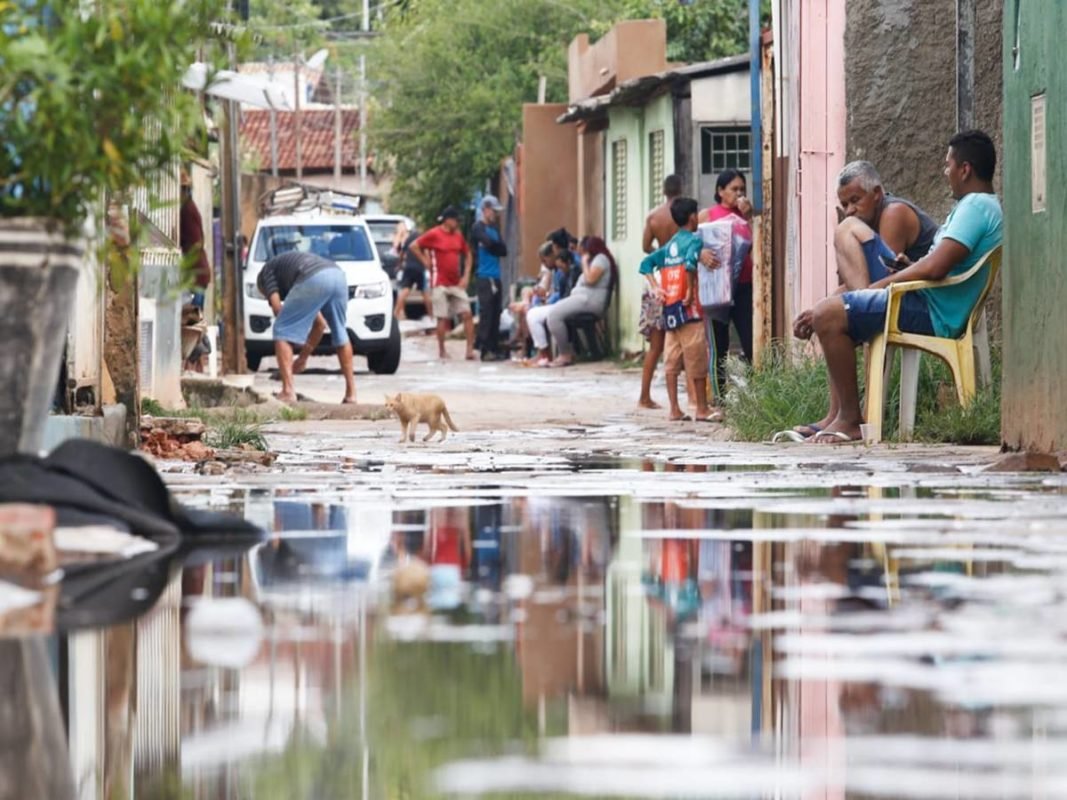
column 253, row 360
column 385, row 362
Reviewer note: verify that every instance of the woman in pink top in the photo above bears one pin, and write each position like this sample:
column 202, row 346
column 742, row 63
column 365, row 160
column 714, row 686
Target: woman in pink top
column 731, row 201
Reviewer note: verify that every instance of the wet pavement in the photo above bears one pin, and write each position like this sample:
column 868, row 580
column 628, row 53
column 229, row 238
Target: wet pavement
column 605, row 613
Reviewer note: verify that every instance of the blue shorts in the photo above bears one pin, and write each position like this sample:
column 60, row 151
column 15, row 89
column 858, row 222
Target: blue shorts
column 866, row 313
column 325, row 291
column 873, row 249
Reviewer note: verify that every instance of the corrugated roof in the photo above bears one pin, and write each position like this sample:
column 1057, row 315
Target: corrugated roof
column 316, row 139
column 637, row 90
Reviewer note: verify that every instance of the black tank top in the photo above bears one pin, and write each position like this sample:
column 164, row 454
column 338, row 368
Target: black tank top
column 927, row 228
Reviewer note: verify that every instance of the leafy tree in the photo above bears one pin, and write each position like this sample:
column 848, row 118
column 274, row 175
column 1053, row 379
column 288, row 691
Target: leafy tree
column 450, row 77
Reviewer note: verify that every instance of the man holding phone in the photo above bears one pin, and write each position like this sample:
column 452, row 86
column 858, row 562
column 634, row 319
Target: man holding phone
column 876, row 226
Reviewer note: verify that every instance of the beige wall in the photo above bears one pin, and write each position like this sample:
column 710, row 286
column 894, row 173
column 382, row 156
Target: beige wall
column 631, row 49
column 548, row 190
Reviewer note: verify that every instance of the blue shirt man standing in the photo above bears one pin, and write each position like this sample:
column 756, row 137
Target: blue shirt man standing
column 490, row 247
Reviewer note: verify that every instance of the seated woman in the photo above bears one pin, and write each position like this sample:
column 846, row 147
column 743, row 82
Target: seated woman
column 589, row 296
column 537, row 317
column 531, row 297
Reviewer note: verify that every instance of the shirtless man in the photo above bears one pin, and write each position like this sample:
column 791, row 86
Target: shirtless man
column 876, row 226
column 659, row 228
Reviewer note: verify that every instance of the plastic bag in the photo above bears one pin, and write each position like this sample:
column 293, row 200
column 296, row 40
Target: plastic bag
column 715, row 286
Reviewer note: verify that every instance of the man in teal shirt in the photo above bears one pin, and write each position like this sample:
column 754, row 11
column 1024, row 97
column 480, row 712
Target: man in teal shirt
column 973, row 228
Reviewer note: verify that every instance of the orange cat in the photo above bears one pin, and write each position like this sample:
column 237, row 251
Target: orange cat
column 412, row 409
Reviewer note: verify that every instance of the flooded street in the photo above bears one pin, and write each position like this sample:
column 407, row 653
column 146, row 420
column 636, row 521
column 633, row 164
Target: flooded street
column 721, row 621
column 592, row 604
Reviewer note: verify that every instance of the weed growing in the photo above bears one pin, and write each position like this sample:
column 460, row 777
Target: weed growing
column 787, row 391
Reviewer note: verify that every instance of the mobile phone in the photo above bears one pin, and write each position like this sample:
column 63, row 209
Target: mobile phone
column 893, row 264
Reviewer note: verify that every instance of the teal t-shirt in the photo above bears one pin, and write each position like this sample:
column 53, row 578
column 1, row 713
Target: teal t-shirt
column 977, row 222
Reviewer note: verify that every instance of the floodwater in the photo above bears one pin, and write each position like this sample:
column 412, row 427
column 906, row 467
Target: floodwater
column 601, row 628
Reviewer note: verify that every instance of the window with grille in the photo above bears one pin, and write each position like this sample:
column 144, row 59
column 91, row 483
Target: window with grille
column 618, row 188
column 725, row 148
column 656, row 169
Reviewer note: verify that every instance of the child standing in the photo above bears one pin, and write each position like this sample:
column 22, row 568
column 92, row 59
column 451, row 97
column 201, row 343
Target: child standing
column 686, row 343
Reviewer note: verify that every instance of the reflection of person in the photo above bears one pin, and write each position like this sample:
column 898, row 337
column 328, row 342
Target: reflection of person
column 300, row 287
column 447, row 549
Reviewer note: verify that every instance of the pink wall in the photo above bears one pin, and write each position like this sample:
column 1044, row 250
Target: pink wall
column 821, row 153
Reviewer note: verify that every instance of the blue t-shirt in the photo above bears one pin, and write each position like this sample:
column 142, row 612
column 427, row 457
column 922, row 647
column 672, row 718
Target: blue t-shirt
column 977, row 222
column 488, row 239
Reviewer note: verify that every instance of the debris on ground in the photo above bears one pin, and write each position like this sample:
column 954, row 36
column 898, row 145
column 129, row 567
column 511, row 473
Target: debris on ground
column 176, row 438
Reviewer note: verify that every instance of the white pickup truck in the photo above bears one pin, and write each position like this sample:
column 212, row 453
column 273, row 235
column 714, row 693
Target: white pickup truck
column 345, row 238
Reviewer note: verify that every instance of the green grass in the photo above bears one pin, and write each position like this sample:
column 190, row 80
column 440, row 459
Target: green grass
column 781, row 393
column 785, row 392
column 229, row 434
column 291, row 414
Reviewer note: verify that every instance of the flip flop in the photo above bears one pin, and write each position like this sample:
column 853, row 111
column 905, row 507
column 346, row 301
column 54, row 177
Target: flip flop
column 811, row 429
column 714, row 416
column 839, row 437
column 791, row 435
column 683, row 418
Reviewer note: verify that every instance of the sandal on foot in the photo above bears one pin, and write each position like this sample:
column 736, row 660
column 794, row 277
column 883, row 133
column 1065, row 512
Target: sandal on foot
column 835, row 437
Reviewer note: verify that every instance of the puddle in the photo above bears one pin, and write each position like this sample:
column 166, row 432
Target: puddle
column 602, row 627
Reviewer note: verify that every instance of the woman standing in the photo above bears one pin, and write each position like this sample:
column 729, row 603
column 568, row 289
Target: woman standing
column 731, row 202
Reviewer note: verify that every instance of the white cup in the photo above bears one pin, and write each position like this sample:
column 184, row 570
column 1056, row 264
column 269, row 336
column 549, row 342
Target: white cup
column 870, row 433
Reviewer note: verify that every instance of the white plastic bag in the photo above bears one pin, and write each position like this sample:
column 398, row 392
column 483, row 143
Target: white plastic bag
column 716, row 285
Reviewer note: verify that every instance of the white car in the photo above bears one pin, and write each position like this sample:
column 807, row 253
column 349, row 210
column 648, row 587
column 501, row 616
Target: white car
column 346, row 239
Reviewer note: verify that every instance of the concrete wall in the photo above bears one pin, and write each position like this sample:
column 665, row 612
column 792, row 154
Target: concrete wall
column 590, row 182
column 633, row 125
column 900, row 68
column 548, row 191
column 1035, row 265
column 721, row 101
column 631, row 49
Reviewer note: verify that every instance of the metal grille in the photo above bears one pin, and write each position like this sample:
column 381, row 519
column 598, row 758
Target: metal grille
column 656, row 169
column 725, row 148
column 618, row 187
column 158, row 200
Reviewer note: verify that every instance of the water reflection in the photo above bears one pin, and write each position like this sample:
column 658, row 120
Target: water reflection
column 717, row 641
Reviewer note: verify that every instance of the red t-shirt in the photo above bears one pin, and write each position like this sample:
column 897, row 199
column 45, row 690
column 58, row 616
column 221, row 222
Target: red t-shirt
column 447, row 249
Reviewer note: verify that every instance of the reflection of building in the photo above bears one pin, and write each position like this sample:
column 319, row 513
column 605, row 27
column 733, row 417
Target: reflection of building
column 559, row 644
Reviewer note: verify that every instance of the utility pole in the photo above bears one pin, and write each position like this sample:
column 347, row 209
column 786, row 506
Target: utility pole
column 233, row 355
column 337, row 130
column 363, row 105
column 297, row 130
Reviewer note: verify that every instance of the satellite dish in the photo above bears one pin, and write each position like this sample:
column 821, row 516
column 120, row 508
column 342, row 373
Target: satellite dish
column 318, row 59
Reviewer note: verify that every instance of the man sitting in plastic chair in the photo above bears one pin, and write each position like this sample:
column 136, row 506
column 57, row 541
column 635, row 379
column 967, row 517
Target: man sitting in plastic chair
column 973, row 228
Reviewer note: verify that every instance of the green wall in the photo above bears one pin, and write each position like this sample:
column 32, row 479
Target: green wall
column 1035, row 263
column 634, row 126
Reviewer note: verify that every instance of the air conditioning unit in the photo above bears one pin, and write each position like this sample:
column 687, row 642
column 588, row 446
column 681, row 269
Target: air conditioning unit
column 146, row 345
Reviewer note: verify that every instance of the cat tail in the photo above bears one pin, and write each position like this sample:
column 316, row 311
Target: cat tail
column 448, row 419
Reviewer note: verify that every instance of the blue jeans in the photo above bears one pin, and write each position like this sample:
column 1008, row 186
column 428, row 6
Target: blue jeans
column 325, row 291
column 866, row 313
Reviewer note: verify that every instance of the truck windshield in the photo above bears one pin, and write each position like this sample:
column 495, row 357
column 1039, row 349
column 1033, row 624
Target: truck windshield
column 337, row 242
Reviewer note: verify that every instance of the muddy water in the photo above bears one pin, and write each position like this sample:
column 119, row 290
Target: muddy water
column 607, row 628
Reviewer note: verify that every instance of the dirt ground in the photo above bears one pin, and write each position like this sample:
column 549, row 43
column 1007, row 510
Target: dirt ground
column 506, row 408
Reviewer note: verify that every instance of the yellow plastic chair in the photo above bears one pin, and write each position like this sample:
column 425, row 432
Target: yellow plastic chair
column 959, row 353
